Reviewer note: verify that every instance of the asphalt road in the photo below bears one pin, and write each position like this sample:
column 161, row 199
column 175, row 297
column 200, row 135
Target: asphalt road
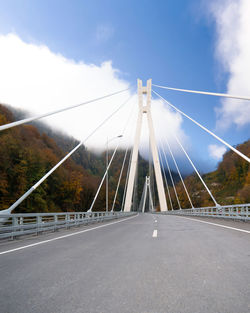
column 187, row 267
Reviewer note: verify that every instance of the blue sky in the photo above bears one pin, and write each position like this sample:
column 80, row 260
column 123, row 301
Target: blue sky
column 172, row 42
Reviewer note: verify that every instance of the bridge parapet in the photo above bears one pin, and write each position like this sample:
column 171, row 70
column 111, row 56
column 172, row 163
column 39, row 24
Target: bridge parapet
column 14, row 225
column 236, row 211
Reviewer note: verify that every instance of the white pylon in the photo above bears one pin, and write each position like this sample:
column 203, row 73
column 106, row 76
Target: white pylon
column 147, row 191
column 159, row 182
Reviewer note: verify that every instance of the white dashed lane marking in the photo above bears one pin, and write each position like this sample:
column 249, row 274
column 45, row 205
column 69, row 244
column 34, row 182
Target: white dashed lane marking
column 155, row 233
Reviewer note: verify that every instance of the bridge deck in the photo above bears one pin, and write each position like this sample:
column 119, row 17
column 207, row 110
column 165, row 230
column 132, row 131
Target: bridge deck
column 189, row 267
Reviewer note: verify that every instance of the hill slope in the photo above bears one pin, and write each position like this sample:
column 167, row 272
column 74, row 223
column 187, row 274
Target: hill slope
column 25, row 156
column 27, row 152
column 229, row 184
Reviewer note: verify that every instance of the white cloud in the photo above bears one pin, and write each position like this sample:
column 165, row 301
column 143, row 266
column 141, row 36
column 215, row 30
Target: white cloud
column 216, row 152
column 35, row 79
column 232, row 19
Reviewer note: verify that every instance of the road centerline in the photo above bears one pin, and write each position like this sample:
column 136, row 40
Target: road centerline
column 155, row 233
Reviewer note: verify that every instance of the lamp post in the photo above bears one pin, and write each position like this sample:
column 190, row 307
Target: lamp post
column 107, row 177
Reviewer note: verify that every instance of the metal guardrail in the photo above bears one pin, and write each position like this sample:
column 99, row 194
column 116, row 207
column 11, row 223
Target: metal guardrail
column 14, row 225
column 237, row 211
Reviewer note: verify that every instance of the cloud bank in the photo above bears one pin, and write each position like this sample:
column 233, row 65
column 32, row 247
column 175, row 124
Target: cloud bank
column 216, row 151
column 36, row 79
column 232, row 18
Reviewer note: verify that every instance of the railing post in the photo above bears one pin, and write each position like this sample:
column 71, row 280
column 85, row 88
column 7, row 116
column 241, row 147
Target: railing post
column 66, row 220
column 21, row 224
column 38, row 224
column 55, row 222
column 14, row 225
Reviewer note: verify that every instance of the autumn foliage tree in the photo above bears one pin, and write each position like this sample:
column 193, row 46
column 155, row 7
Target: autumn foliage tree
column 25, row 156
column 230, row 183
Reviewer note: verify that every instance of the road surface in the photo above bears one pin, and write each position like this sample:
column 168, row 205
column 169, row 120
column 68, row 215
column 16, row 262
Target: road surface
column 144, row 264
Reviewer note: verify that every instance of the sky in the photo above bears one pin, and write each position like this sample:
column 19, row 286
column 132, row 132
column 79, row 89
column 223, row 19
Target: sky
column 59, row 53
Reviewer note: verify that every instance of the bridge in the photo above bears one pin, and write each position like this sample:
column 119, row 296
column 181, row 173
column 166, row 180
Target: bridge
column 151, row 257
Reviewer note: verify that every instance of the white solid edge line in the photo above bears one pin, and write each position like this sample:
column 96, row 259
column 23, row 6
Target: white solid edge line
column 65, row 236
column 219, row 225
column 154, row 233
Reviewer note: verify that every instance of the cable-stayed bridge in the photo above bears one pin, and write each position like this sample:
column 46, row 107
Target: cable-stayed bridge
column 170, row 260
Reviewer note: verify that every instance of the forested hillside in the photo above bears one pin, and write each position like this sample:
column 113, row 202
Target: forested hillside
column 25, row 156
column 230, row 183
column 28, row 152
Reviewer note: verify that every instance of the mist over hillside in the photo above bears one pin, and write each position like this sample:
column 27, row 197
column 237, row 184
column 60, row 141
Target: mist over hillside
column 29, row 151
